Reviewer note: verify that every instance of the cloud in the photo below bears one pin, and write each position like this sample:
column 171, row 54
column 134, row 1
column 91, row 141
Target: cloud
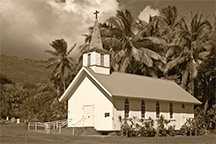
column 27, row 27
column 85, row 8
column 147, row 12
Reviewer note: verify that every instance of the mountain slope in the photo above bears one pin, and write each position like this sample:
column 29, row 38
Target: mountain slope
column 21, row 70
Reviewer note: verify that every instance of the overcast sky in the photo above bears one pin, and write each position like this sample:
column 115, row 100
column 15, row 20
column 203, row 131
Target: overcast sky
column 28, row 26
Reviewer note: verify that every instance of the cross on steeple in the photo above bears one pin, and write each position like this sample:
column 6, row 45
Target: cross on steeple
column 96, row 14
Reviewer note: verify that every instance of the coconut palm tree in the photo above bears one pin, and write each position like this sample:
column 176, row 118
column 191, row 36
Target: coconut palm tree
column 170, row 15
column 193, row 46
column 129, row 57
column 61, row 61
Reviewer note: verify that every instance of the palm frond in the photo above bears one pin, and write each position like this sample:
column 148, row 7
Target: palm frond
column 52, row 64
column 71, row 50
column 173, row 63
column 51, row 52
column 125, row 64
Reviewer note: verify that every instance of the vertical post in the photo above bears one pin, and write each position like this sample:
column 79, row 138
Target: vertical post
column 59, row 129
column 35, row 125
column 54, row 125
column 28, row 126
column 190, row 132
column 73, row 131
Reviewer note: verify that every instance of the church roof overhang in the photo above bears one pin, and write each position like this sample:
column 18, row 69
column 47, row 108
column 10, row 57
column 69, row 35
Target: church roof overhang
column 133, row 86
column 74, row 84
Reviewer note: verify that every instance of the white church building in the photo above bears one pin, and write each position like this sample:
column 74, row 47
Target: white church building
column 96, row 97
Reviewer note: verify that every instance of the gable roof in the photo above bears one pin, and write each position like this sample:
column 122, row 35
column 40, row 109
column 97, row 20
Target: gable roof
column 136, row 86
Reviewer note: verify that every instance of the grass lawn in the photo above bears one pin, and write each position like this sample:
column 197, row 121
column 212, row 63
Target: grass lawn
column 14, row 133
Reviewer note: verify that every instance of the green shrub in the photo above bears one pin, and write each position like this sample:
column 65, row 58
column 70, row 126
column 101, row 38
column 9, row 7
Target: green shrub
column 202, row 123
column 146, row 127
column 162, row 125
column 128, row 126
column 171, row 130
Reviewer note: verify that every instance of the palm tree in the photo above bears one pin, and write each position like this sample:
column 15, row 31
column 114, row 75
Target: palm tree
column 61, row 61
column 192, row 48
column 170, row 15
column 129, row 57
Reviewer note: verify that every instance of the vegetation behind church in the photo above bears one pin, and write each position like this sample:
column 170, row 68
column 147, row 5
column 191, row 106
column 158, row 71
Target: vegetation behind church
column 167, row 47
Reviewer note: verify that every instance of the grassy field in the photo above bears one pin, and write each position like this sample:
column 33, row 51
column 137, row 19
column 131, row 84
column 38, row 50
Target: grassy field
column 14, row 133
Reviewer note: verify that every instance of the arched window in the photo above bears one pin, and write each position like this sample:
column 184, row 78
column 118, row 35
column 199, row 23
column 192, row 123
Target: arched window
column 171, row 110
column 143, row 109
column 183, row 106
column 89, row 59
column 102, row 59
column 157, row 109
column 126, row 108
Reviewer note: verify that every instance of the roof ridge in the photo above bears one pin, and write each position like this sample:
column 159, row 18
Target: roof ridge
column 143, row 76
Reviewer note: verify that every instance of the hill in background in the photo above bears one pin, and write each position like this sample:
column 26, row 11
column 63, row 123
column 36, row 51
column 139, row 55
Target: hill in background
column 20, row 70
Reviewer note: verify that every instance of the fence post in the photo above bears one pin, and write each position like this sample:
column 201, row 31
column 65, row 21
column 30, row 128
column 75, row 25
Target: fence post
column 35, row 125
column 59, row 129
column 28, row 126
column 56, row 125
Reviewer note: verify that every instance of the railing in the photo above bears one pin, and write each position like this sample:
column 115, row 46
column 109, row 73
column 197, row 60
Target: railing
column 55, row 125
column 64, row 123
column 77, row 124
column 39, row 126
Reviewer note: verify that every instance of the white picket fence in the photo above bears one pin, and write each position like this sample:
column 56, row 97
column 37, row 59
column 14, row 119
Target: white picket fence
column 47, row 126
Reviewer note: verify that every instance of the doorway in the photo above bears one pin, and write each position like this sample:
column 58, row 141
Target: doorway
column 88, row 115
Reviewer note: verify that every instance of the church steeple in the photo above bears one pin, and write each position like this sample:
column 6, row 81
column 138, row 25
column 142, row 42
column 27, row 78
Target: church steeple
column 97, row 58
column 96, row 37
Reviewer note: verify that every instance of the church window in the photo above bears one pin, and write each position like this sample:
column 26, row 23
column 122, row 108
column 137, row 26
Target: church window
column 171, row 110
column 157, row 109
column 102, row 59
column 126, row 108
column 143, row 109
column 89, row 59
column 183, row 106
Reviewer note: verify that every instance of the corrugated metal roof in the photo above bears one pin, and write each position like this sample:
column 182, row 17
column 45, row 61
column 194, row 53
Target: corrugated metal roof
column 136, row 86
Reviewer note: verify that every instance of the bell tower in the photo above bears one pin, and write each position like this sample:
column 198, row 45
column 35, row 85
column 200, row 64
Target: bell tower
column 97, row 58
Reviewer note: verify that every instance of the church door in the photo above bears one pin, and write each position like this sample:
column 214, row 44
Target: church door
column 88, row 115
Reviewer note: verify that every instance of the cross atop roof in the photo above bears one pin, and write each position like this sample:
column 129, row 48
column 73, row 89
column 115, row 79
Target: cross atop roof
column 96, row 14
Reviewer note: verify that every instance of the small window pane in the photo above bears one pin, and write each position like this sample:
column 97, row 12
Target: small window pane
column 107, row 114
